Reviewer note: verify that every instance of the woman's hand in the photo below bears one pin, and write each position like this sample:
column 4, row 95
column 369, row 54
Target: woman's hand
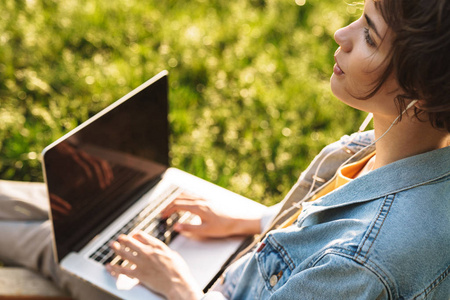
column 216, row 222
column 157, row 267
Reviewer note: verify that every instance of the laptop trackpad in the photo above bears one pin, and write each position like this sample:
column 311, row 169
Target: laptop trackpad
column 205, row 257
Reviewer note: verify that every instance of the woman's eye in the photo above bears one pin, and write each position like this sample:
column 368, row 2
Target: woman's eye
column 368, row 39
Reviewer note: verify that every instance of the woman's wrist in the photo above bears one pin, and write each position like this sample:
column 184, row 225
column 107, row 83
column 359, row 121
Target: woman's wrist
column 245, row 226
column 184, row 291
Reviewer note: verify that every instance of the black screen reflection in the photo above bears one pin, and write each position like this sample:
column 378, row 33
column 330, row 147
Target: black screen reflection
column 98, row 172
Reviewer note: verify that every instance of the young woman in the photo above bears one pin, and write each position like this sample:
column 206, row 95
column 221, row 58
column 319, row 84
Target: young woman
column 379, row 227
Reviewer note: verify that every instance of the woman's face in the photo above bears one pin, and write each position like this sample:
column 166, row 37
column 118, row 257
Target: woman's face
column 360, row 60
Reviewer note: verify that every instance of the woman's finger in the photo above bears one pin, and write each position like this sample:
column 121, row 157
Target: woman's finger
column 125, row 253
column 128, row 248
column 147, row 239
column 116, row 270
column 198, row 230
column 193, row 206
column 186, row 197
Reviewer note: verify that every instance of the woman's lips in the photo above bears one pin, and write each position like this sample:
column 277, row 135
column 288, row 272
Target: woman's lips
column 337, row 69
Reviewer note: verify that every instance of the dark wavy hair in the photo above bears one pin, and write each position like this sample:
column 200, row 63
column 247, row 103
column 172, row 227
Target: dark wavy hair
column 420, row 56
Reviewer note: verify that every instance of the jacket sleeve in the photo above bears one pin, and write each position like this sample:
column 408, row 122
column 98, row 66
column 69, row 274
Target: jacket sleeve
column 333, row 277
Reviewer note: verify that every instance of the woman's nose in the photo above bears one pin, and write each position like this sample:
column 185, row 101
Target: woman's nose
column 343, row 38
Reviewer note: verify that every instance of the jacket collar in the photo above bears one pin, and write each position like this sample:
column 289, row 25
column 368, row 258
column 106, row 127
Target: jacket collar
column 395, row 177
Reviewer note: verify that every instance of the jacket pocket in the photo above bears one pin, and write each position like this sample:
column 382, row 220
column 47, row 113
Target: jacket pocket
column 274, row 264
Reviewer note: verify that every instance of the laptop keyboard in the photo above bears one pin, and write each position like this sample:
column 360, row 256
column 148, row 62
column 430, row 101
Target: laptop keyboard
column 149, row 221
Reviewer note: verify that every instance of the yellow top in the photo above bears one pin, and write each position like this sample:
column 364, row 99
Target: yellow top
column 344, row 175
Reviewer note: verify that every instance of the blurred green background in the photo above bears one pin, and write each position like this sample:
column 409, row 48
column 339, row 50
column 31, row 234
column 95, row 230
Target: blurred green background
column 250, row 103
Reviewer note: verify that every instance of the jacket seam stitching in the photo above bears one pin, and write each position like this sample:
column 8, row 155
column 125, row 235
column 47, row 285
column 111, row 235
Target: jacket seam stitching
column 392, row 192
column 435, row 283
column 339, row 252
column 372, row 227
column 284, row 254
column 261, row 270
column 389, row 205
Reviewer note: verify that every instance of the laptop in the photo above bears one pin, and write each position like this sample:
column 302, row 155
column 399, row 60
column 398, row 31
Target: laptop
column 111, row 176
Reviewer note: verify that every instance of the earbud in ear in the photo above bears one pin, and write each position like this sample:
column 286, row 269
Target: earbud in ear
column 409, row 106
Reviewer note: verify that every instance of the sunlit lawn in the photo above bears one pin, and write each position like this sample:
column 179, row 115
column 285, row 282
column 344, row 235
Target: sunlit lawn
column 250, row 103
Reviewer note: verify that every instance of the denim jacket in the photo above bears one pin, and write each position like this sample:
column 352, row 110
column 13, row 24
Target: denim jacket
column 384, row 235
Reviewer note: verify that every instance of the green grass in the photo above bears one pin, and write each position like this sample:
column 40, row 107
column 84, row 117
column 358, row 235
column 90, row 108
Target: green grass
column 250, row 103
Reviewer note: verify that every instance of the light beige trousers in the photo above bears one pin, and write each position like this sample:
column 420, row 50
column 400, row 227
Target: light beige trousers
column 26, row 240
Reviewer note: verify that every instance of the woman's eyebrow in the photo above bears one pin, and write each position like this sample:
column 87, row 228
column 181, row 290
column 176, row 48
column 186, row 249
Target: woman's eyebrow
column 372, row 25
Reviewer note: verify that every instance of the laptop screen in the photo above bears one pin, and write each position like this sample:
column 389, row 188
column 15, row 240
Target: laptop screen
column 102, row 167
